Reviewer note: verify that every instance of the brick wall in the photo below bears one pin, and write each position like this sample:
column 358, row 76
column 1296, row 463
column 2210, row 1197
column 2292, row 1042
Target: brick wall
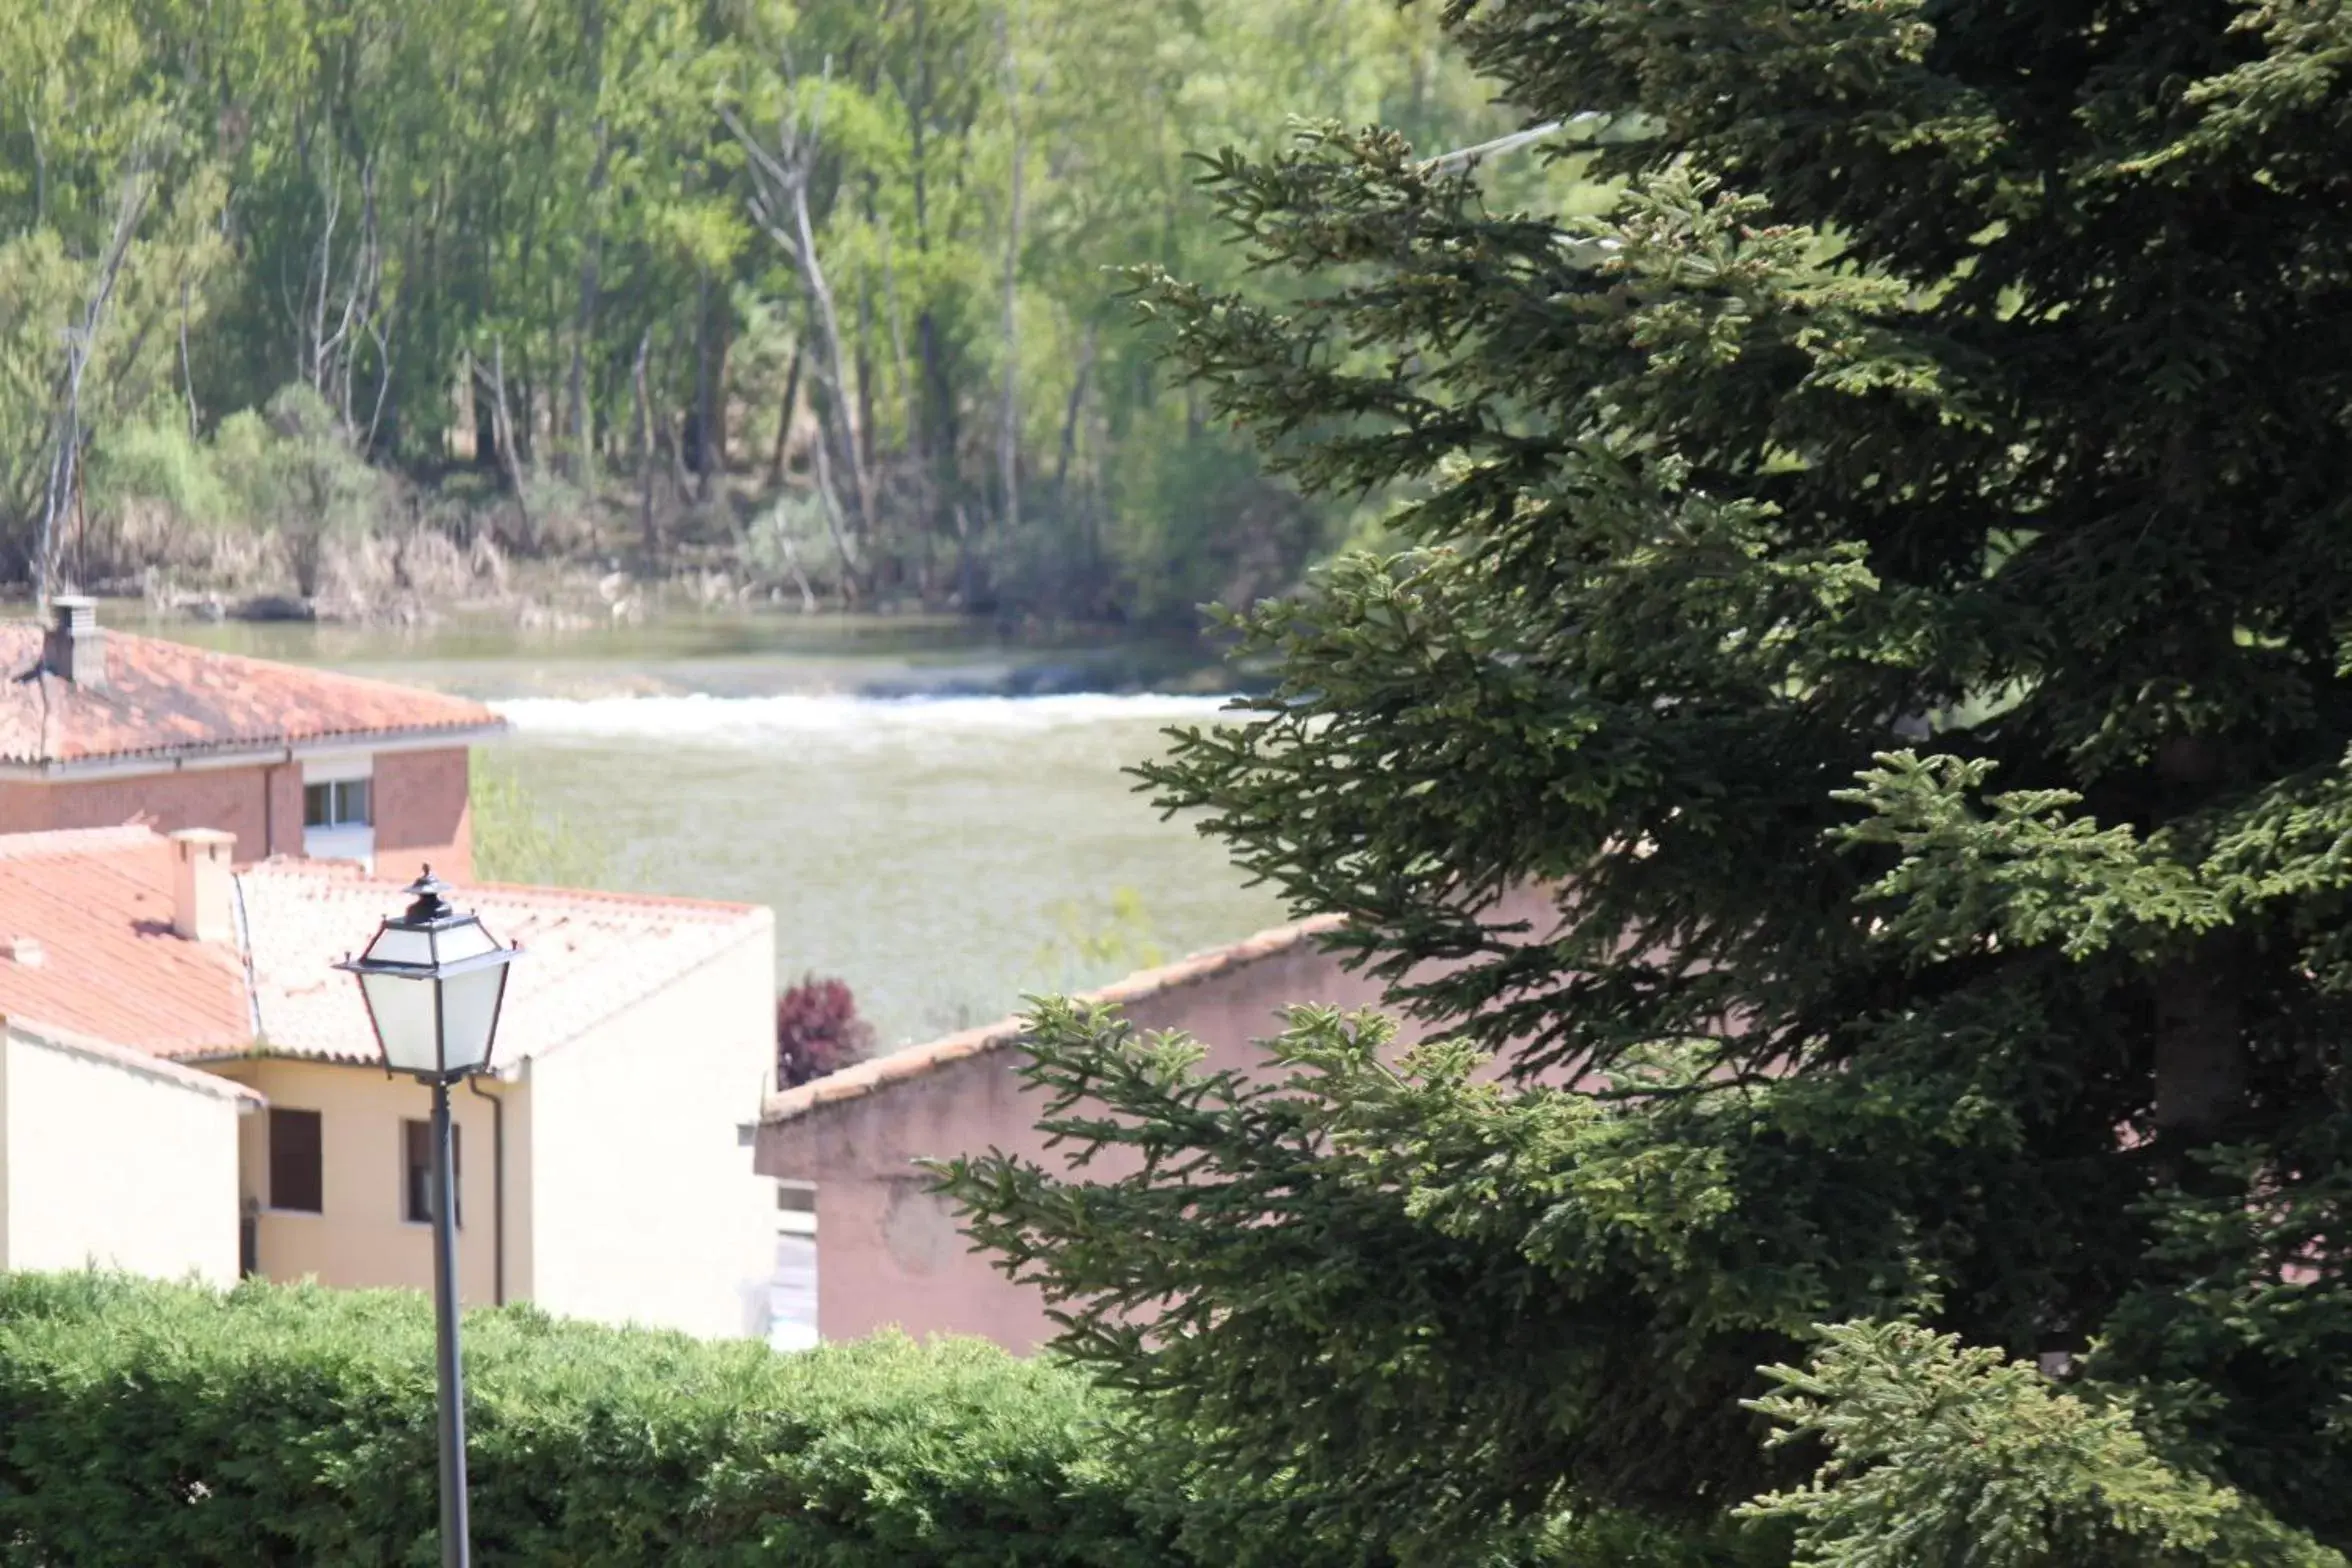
column 420, row 807
column 422, row 814
column 261, row 805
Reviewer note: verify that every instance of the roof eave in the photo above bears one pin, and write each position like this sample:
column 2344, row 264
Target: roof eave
column 184, row 1072
column 865, row 1079
column 507, row 1071
column 180, row 759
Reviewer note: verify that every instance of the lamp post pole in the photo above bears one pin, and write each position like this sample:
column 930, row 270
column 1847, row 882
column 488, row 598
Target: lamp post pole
column 456, row 1546
column 433, row 981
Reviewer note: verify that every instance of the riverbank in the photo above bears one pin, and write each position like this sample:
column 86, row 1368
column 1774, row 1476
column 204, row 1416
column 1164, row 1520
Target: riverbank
column 937, row 810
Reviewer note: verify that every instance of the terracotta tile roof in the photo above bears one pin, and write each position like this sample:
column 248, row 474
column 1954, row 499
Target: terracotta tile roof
column 880, row 1072
column 164, row 698
column 588, row 955
column 98, row 902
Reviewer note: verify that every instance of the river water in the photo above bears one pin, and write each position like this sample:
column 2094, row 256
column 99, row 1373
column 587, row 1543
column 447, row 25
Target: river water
column 938, row 817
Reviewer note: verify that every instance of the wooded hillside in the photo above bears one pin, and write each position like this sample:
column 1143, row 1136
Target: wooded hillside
column 819, row 291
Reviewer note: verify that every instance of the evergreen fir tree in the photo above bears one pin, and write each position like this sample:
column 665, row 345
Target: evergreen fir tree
column 1892, row 575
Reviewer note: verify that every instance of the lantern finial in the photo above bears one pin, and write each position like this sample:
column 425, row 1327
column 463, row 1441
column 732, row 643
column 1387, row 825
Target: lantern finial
column 429, row 903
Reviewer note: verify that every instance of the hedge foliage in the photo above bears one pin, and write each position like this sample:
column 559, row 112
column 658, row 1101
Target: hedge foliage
column 161, row 1424
column 272, row 1425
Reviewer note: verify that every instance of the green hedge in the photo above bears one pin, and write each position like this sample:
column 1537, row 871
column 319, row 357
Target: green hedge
column 157, row 1424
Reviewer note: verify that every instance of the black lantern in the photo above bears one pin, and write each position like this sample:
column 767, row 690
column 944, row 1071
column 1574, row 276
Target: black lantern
column 433, row 979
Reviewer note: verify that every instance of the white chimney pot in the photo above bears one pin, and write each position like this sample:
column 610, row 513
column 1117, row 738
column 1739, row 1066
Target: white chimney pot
column 200, row 885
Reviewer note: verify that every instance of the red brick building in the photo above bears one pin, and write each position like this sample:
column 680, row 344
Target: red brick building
column 99, row 728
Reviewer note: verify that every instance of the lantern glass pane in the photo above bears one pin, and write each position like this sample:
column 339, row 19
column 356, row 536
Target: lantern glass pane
column 397, row 945
column 466, row 940
column 469, row 1006
column 403, row 1013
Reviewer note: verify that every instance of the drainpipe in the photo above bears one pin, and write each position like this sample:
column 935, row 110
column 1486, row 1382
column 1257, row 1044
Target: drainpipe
column 269, row 804
column 497, row 1191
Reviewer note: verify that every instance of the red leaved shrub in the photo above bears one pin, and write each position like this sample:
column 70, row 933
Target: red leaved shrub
column 818, row 1031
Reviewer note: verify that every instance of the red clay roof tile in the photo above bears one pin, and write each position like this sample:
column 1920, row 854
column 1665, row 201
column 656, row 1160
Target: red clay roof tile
column 877, row 1073
column 165, row 698
column 587, row 955
column 98, row 904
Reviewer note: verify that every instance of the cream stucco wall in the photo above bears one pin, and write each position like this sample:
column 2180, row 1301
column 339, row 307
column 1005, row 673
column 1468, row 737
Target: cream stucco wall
column 629, row 1195
column 359, row 1237
column 111, row 1161
column 645, row 1206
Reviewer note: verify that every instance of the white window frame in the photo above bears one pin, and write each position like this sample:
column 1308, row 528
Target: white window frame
column 356, row 841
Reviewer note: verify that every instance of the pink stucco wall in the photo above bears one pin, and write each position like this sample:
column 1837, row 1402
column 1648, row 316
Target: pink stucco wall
column 888, row 1251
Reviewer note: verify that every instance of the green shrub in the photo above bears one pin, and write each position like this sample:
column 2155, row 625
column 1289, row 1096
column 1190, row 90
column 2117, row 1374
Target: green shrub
column 159, row 462
column 291, row 469
column 144, row 1423
column 519, row 838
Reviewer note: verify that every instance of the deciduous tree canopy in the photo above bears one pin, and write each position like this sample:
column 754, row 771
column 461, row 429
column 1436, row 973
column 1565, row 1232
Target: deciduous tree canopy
column 534, row 244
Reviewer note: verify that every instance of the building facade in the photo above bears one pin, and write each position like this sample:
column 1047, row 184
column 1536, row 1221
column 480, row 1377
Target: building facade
column 189, row 1085
column 888, row 1251
column 98, row 727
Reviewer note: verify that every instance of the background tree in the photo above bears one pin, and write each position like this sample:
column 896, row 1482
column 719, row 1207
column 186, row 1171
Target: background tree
column 518, row 253
column 1888, row 575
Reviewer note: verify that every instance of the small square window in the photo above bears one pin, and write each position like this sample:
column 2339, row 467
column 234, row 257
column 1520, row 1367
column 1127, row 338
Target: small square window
column 416, row 1171
column 345, row 803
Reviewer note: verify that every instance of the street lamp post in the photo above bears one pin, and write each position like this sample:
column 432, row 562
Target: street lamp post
column 433, row 980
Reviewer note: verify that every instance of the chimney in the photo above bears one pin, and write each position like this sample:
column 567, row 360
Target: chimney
column 200, row 888
column 75, row 649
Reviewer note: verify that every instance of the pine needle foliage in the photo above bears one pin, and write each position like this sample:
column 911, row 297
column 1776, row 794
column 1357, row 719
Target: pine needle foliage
column 1943, row 1457
column 1889, row 574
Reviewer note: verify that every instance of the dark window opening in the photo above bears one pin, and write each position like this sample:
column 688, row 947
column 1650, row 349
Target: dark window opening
column 296, row 1169
column 416, row 1171
column 342, row 804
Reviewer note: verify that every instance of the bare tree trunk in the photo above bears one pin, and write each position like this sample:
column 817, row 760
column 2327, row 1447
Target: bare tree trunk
column 578, row 418
column 1070, row 415
column 706, row 391
column 645, row 523
column 865, row 374
column 808, row 595
column 784, row 416
column 673, row 426
column 829, row 501
column 330, row 331
column 503, row 430
column 65, row 479
column 581, row 460
column 780, row 204
column 898, row 348
column 188, row 376
column 1008, row 430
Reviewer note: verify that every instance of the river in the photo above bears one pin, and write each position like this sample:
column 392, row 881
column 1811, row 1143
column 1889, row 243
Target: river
column 937, row 816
